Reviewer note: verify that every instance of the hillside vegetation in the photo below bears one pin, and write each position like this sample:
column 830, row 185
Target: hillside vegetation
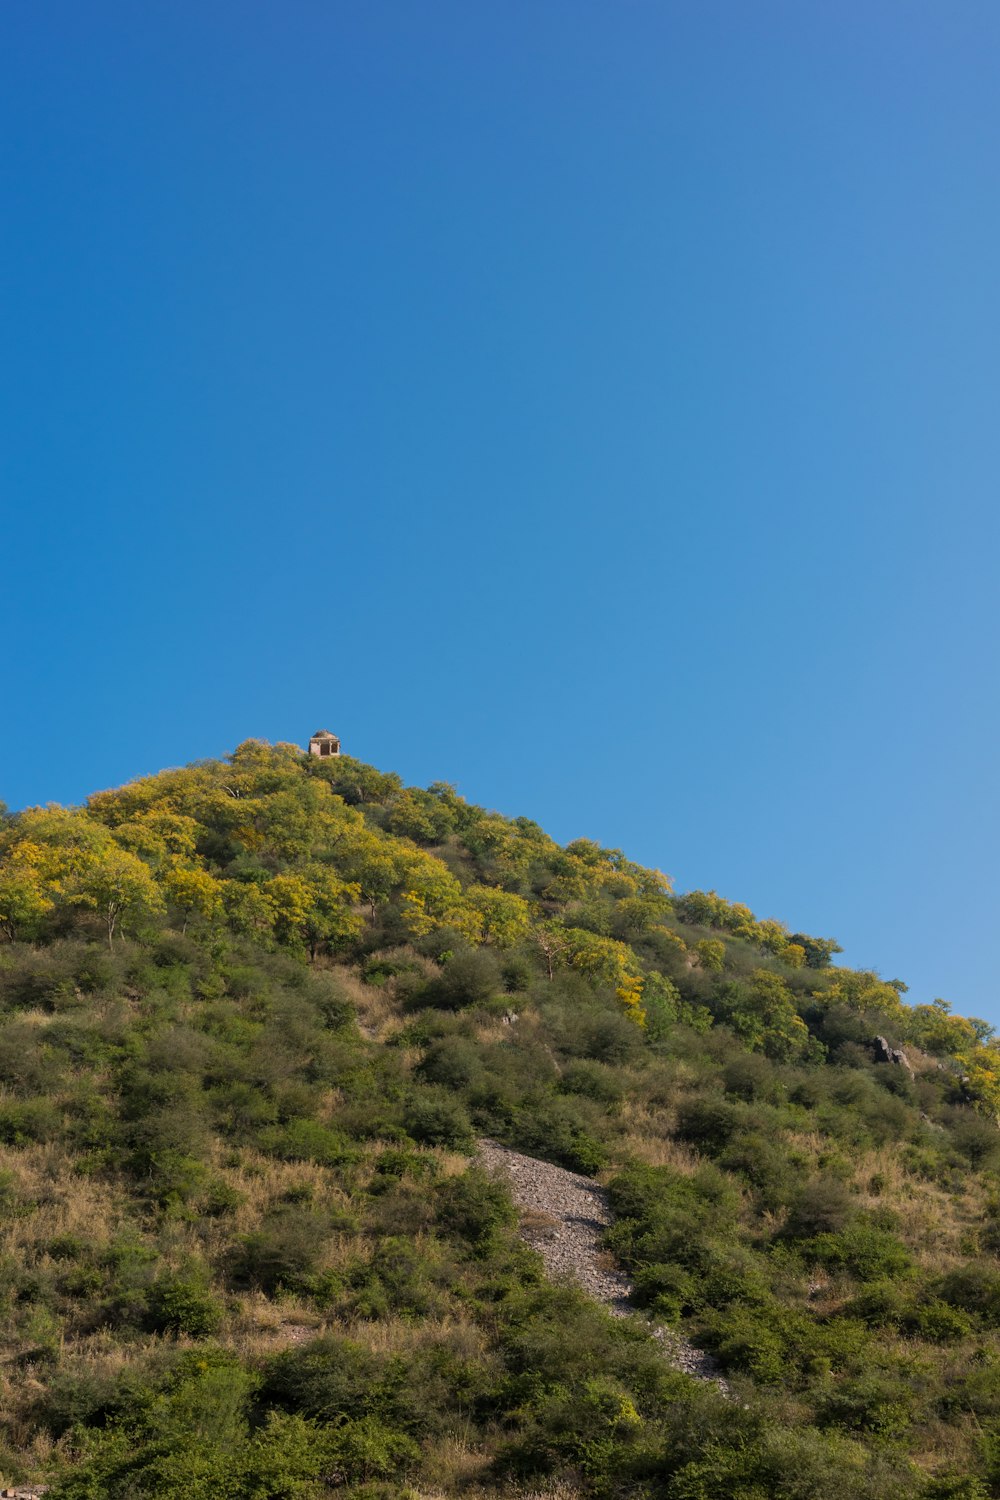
column 254, row 1015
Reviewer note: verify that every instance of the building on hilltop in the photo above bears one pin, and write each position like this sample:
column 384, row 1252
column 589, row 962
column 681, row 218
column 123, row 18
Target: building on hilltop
column 324, row 743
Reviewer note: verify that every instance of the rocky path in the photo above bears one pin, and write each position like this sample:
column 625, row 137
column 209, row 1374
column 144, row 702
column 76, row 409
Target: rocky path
column 562, row 1217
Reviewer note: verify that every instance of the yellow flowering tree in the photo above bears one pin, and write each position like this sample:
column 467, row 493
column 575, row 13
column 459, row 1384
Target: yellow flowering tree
column 861, row 990
column 504, row 919
column 249, row 909
column 117, row 884
column 24, row 900
column 611, row 962
column 313, row 907
column 711, row 954
column 192, row 892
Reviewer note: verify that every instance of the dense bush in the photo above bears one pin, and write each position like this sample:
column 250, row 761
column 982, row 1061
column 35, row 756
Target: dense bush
column 179, row 1304
column 284, row 1253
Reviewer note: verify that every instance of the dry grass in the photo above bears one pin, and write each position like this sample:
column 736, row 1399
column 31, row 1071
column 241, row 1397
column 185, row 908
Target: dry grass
column 645, row 1136
column 372, row 1004
column 536, row 1225
column 932, row 1222
column 394, row 1333
column 492, row 1030
column 453, row 1464
column 62, row 1203
column 98, row 1355
column 450, row 1163
column 377, row 1006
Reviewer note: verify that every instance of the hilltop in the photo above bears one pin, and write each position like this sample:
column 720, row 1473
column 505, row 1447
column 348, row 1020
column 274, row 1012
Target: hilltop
column 255, row 1016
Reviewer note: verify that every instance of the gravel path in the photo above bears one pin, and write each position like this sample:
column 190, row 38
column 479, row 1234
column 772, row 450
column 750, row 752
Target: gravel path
column 563, row 1216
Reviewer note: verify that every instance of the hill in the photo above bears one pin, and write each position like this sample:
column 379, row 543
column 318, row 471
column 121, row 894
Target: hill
column 255, row 1015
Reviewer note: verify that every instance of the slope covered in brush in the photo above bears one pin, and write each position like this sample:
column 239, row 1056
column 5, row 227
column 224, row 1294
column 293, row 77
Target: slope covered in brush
column 255, row 1014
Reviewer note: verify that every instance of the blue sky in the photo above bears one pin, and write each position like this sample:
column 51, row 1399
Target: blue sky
column 592, row 405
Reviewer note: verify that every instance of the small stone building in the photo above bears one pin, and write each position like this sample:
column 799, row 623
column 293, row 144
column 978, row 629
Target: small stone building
column 324, row 743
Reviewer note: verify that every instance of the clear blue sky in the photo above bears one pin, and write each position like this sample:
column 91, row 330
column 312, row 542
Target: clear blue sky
column 595, row 405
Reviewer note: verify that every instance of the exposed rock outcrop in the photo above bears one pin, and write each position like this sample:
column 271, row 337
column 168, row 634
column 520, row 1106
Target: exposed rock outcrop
column 884, row 1053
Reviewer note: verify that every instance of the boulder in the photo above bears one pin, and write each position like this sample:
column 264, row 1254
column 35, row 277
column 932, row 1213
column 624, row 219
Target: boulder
column 886, row 1054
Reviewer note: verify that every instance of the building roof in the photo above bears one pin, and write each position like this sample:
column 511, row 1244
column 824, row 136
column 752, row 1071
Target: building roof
column 323, row 734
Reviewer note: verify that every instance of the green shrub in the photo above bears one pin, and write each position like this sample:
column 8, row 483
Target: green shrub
column 402, row 1277
column 881, row 1304
column 868, row 1403
column 708, row 1121
column 764, row 1163
column 307, row 1140
column 939, row 1322
column 395, row 1163
column 369, row 1449
column 453, row 1062
column 751, row 1076
column 219, row 1198
column 178, row 1304
column 191, row 1442
column 977, row 1139
column 667, row 1290
column 434, row 1118
column 89, row 1398
column 66, row 1247
column 823, row 1206
column 957, row 1487
column 474, row 1207
column 81, row 1281
column 749, row 1339
column 973, row 1288
column 284, row 1252
column 470, row 976
column 28, row 1121
column 592, row 1080
column 559, row 1130
column 866, row 1252
column 589, row 1426
column 336, row 1379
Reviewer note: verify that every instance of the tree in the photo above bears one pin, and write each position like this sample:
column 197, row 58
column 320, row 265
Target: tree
column 313, row 907
column 861, row 990
column 408, row 817
column 552, row 943
column 711, row 953
column 612, row 962
column 433, row 898
column 330, row 920
column 157, row 835
column 56, row 842
column 771, row 937
column 193, row 892
column 291, row 899
column 353, row 780
column 504, row 917
column 635, row 915
column 819, row 951
column 376, row 864
column 116, row 884
column 248, row 908
column 763, row 1013
column 23, row 900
